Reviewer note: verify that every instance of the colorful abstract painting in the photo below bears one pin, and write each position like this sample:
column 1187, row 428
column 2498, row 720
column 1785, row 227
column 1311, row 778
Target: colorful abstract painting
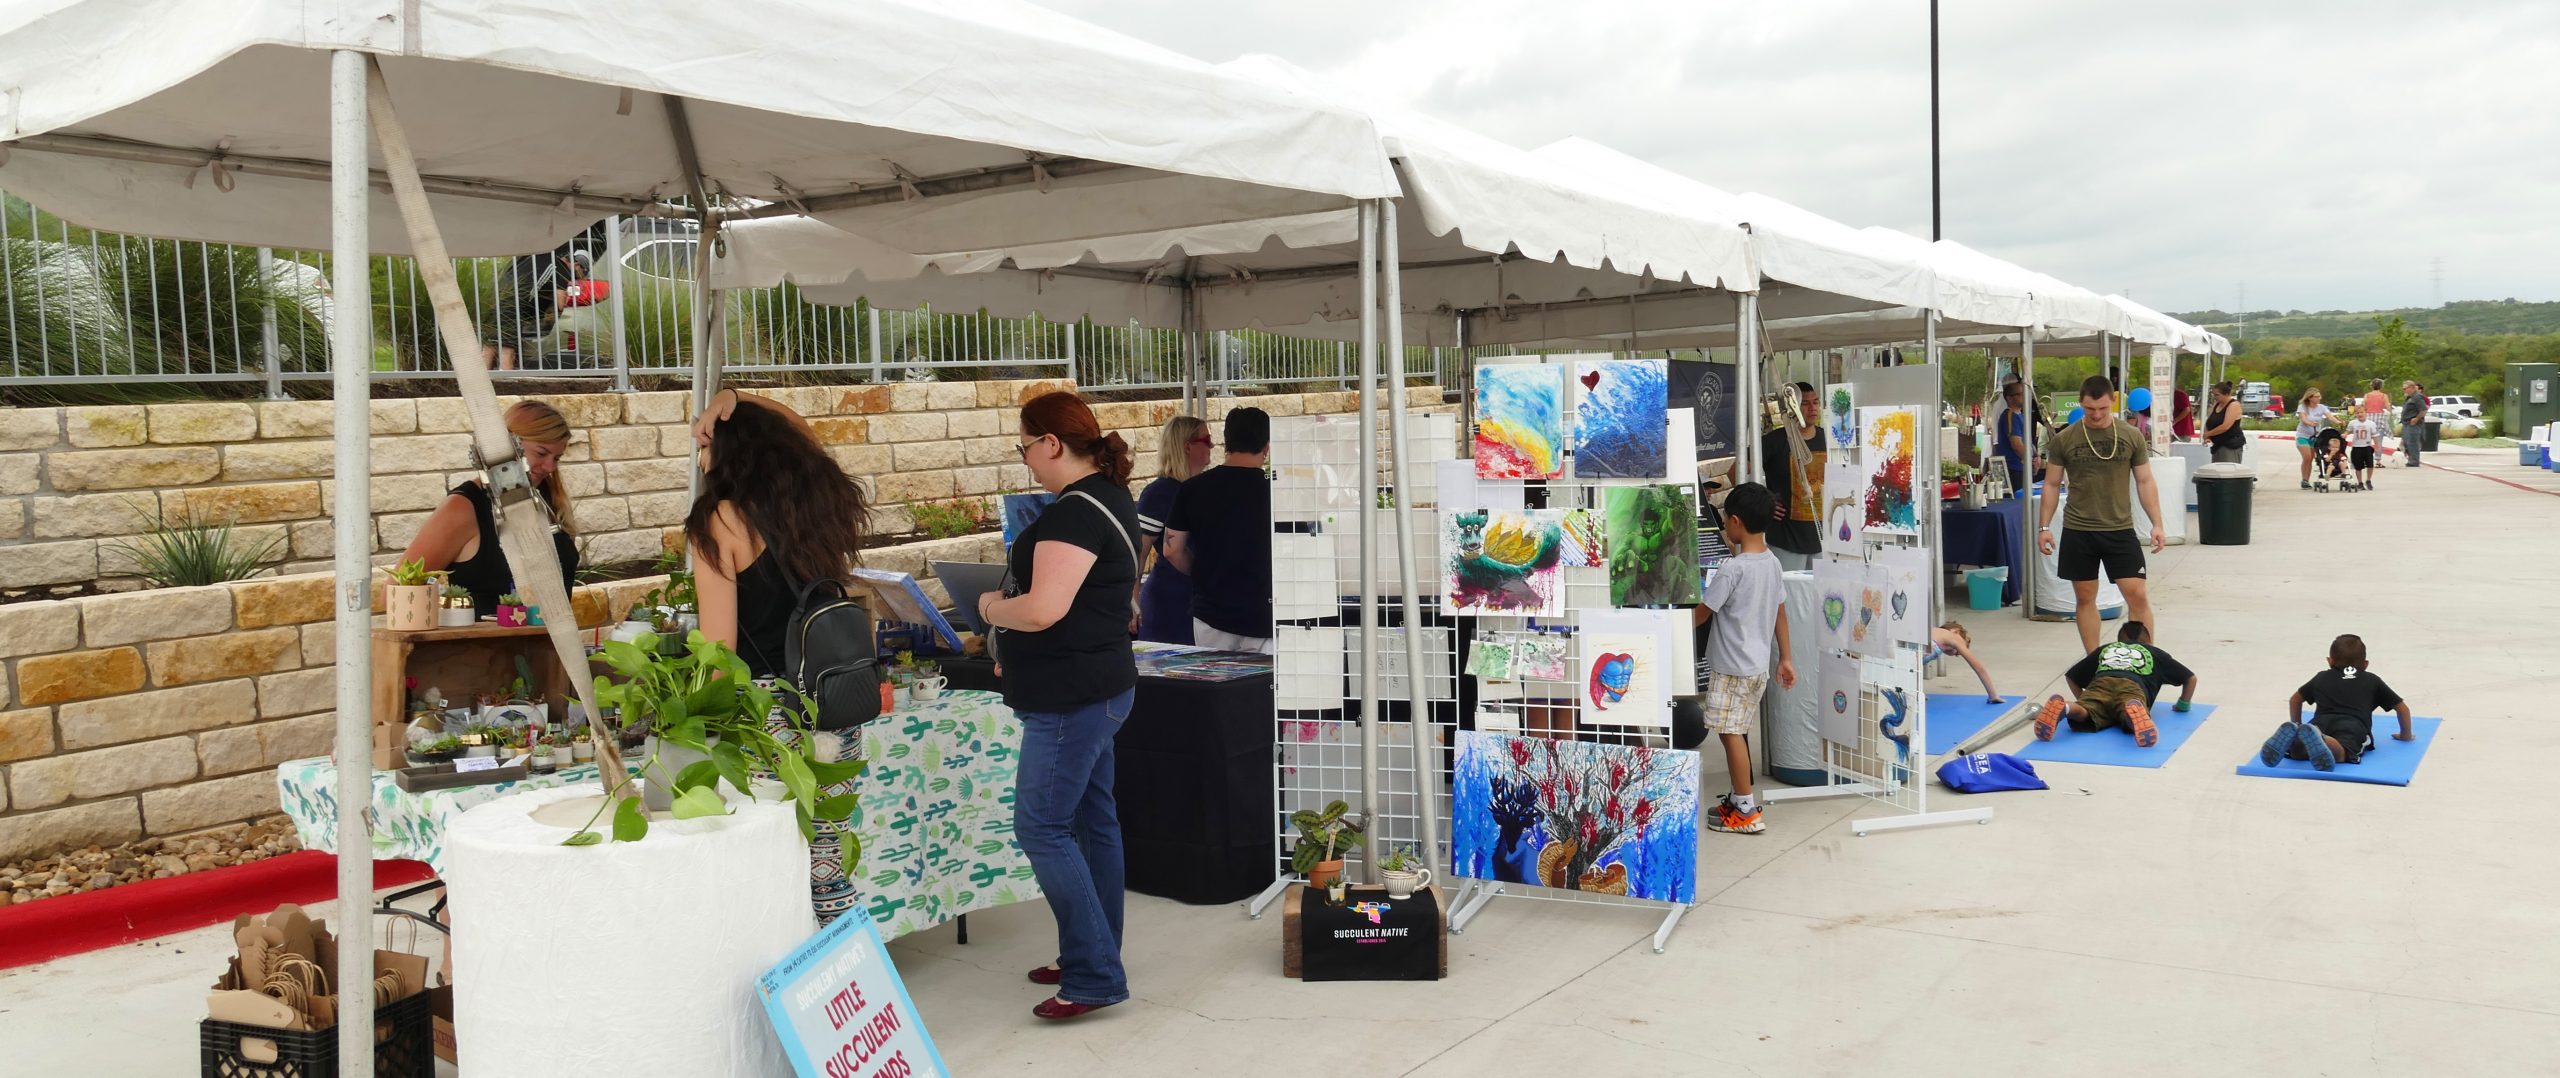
column 1837, row 709
column 1892, row 446
column 1491, row 657
column 1542, row 657
column 1606, row 819
column 1502, row 562
column 1618, row 672
column 1519, row 421
column 1620, row 418
column 1840, row 417
column 1844, row 499
column 1583, row 547
column 1652, row 535
column 1868, row 617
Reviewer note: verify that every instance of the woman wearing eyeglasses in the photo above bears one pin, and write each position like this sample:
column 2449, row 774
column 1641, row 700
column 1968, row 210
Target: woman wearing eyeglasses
column 1164, row 597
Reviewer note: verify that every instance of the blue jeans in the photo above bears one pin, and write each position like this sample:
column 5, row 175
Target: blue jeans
column 1069, row 828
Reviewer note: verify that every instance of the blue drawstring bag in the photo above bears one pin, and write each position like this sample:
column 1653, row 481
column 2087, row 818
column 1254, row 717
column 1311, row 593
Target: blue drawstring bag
column 1989, row 772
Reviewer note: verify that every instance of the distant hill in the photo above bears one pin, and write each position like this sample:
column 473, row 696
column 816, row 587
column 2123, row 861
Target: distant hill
column 2473, row 316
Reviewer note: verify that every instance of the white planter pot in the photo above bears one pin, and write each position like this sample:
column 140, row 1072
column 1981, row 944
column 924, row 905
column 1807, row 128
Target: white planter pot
column 658, row 783
column 480, row 750
column 456, row 617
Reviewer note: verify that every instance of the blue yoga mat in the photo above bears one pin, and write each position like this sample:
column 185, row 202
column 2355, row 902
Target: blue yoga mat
column 1955, row 716
column 2391, row 763
column 2114, row 745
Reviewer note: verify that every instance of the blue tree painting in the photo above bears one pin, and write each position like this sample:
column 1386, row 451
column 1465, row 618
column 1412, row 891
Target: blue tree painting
column 1576, row 815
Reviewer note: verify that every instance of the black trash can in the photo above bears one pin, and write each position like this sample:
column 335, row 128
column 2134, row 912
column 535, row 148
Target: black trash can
column 2223, row 494
column 2434, row 432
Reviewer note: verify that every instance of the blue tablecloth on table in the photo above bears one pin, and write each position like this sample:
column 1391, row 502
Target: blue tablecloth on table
column 1992, row 535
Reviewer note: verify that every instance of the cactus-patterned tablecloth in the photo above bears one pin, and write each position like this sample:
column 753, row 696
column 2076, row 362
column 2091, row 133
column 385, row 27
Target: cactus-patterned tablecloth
column 935, row 816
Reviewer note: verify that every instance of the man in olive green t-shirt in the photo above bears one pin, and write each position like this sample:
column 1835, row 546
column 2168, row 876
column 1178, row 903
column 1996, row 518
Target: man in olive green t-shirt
column 2099, row 458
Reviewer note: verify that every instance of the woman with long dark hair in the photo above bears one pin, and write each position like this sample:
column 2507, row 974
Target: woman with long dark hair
column 461, row 536
column 1062, row 650
column 775, row 515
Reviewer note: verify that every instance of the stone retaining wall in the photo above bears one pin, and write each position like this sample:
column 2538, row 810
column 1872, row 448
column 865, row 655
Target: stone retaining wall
column 161, row 712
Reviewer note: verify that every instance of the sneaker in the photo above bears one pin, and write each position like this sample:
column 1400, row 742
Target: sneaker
column 2048, row 717
column 2137, row 715
column 2306, row 484
column 1733, row 821
column 2316, row 747
column 2273, row 750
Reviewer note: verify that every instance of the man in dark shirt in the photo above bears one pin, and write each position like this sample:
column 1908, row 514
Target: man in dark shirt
column 2116, row 686
column 2413, row 420
column 1220, row 534
column 1793, row 457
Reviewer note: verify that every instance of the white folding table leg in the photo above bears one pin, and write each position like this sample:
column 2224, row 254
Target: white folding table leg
column 1919, row 819
column 1670, row 920
column 1817, row 793
column 1484, row 892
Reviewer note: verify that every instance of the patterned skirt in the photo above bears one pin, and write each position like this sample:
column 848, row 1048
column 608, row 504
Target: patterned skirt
column 831, row 892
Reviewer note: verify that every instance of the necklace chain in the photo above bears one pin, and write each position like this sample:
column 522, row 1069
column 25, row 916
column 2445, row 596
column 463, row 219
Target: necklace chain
column 2115, row 442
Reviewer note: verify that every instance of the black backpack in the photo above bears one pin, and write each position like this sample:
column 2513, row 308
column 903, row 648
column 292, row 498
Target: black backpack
column 828, row 654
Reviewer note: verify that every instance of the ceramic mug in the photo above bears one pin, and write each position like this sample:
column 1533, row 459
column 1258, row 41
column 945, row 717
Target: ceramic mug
column 929, row 688
column 1404, row 884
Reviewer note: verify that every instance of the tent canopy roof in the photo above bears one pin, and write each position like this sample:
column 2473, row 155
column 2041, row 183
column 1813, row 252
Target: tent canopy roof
column 533, row 121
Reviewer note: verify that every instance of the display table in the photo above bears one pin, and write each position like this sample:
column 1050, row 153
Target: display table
column 935, row 816
column 482, row 655
column 1992, row 535
column 1787, row 717
column 1194, row 789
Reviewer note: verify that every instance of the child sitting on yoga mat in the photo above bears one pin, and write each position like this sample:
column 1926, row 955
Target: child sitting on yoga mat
column 2343, row 699
column 2116, row 685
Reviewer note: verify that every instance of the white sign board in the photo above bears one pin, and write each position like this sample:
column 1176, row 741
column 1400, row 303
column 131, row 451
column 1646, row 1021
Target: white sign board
column 842, row 1011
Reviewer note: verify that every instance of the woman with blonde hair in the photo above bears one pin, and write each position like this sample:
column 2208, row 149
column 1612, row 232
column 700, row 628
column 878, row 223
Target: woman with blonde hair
column 1164, row 596
column 461, row 536
column 2306, row 429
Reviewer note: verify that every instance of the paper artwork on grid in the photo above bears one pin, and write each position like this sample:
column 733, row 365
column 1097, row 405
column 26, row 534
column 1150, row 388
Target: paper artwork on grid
column 1302, row 576
column 1840, row 417
column 1490, row 656
column 1844, row 499
column 1837, row 710
column 1621, row 419
column 1439, row 681
column 1316, row 461
column 1502, row 563
column 1617, row 820
column 1867, row 614
column 1583, row 546
column 1662, row 648
column 1306, row 667
column 1542, row 657
column 1904, row 575
column 1389, row 578
column 1652, row 536
column 1891, row 448
column 1618, row 677
column 1837, row 586
column 1519, row 420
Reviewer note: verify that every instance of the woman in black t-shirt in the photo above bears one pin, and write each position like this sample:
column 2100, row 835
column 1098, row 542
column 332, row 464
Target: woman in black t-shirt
column 775, row 515
column 461, row 536
column 1062, row 652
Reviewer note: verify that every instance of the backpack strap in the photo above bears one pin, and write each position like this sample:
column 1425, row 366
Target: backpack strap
column 1108, row 515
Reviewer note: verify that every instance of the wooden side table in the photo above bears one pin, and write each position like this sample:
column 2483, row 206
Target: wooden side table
column 462, row 661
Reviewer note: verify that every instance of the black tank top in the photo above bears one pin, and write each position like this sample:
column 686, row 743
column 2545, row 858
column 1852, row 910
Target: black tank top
column 485, row 573
column 765, row 601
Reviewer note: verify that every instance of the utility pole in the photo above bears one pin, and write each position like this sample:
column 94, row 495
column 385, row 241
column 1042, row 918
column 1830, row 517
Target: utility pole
column 2436, row 265
column 2243, row 303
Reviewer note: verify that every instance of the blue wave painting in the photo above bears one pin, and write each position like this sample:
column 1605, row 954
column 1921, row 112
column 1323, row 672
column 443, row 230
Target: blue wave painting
column 1622, row 419
column 1574, row 815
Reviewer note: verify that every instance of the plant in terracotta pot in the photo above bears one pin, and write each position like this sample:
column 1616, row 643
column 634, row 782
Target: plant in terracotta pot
column 511, row 610
column 408, row 598
column 708, row 722
column 1322, row 836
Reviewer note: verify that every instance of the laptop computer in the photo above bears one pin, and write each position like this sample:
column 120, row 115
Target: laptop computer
column 966, row 580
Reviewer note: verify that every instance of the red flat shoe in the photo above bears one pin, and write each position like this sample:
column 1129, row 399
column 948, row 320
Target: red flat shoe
column 1059, row 1010
column 1048, row 975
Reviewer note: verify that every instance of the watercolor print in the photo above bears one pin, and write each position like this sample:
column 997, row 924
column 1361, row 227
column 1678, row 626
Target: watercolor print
column 1836, row 586
column 1652, row 536
column 1836, row 711
column 1618, row 671
column 1844, row 496
column 1519, row 421
column 1892, row 446
column 1583, row 548
column 1542, row 657
column 1502, row 562
column 1840, row 417
column 1578, row 816
column 1867, row 616
column 1621, row 417
column 1491, row 657
column 1903, row 574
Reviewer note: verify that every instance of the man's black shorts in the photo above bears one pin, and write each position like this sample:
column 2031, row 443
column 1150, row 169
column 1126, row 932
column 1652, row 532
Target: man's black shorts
column 2081, row 553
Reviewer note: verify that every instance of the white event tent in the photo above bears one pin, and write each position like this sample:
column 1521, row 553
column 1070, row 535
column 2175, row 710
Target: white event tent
column 940, row 126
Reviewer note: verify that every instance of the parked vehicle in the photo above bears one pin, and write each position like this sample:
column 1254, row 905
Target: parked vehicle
column 2253, row 397
column 2461, row 404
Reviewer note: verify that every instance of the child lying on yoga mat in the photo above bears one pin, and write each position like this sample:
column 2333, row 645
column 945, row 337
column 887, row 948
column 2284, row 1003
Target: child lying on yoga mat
column 2343, row 699
column 1952, row 639
column 2116, row 685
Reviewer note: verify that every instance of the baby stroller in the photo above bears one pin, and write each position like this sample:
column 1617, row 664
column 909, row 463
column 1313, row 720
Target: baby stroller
column 2329, row 462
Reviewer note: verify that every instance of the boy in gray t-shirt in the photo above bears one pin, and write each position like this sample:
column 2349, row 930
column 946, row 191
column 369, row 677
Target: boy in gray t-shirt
column 1749, row 605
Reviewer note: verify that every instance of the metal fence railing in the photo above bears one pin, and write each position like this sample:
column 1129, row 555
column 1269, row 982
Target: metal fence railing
column 79, row 306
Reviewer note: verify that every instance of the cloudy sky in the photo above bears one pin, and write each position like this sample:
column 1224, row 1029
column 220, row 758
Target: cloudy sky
column 2324, row 152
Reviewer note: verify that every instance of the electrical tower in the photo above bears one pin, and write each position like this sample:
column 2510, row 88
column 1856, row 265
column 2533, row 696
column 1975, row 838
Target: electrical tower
column 2436, row 265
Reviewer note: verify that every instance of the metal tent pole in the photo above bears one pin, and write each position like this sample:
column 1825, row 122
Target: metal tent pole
column 1426, row 785
column 350, row 363
column 1927, row 479
column 1366, row 476
column 1748, row 467
column 2026, row 491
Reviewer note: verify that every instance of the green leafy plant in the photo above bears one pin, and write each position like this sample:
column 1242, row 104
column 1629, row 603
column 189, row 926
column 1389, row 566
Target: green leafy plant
column 945, row 520
column 703, row 698
column 510, row 599
column 456, row 592
column 1948, row 469
column 1322, row 835
column 408, row 574
column 183, row 552
column 1400, row 859
column 438, row 746
column 678, row 593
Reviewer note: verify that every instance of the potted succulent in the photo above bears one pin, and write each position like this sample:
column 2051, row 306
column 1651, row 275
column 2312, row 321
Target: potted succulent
column 710, row 723
column 581, row 748
column 512, row 612
column 1403, row 872
column 482, row 739
column 408, row 598
column 1322, row 836
column 456, row 610
column 545, row 760
column 441, row 749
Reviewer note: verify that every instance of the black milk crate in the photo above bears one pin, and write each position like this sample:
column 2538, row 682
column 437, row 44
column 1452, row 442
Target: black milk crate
column 408, row 1052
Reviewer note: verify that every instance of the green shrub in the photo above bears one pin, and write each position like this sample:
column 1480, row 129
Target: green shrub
column 944, row 520
column 185, row 552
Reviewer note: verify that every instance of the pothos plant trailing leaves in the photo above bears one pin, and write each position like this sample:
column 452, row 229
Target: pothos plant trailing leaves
column 703, row 698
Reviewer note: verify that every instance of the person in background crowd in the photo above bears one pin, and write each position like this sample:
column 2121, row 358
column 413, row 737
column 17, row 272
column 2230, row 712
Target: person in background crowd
column 2364, row 436
column 2378, row 405
column 2010, row 431
column 461, row 536
column 2105, row 467
column 1164, row 597
column 529, row 295
column 2413, row 419
column 1793, row 455
column 1220, row 533
column 2306, row 429
column 2224, row 433
column 1061, row 633
column 2182, row 421
column 776, row 514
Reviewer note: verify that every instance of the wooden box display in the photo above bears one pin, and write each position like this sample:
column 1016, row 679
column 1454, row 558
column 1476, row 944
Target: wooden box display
column 460, row 661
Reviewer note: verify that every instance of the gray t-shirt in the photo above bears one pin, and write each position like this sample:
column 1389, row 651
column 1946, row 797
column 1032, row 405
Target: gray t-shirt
column 1745, row 597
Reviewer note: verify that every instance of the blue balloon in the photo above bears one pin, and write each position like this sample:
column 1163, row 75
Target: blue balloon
column 2139, row 399
column 2075, row 416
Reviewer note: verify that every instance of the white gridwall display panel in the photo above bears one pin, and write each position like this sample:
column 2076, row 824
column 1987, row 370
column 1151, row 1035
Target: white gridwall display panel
column 1895, row 768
